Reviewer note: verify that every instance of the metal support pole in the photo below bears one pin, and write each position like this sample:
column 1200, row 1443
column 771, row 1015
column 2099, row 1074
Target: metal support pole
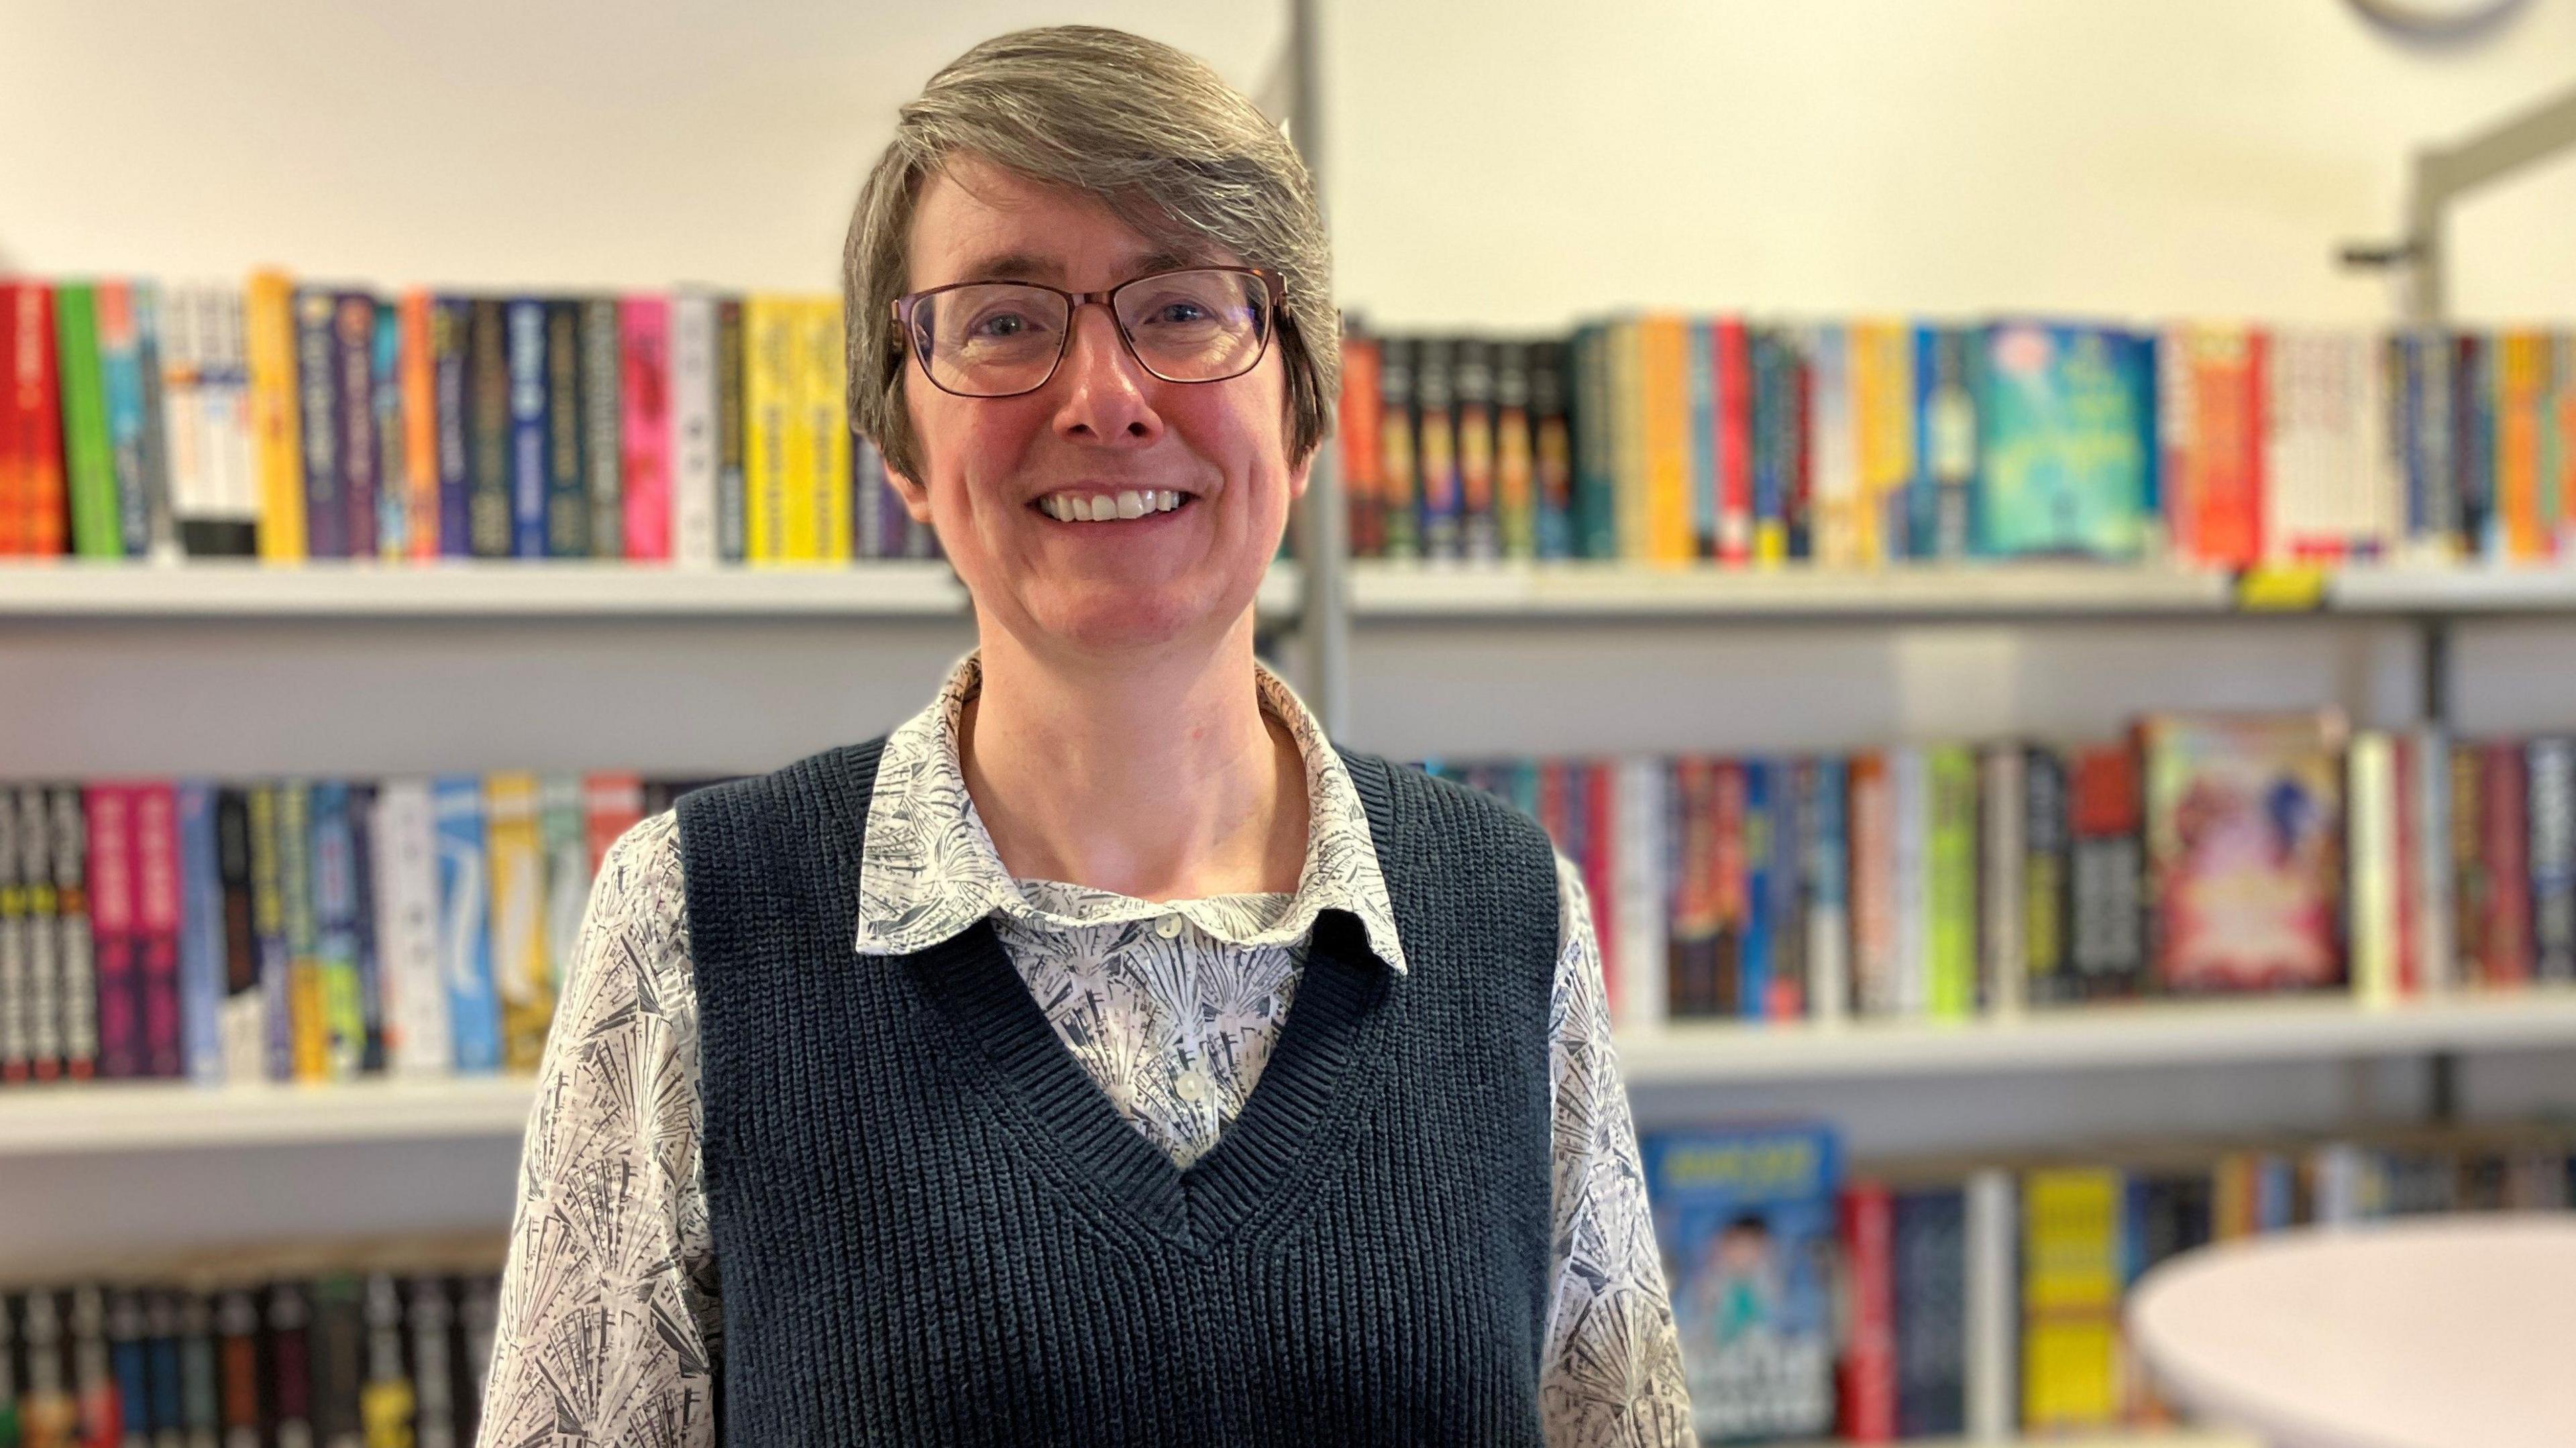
column 1323, row 616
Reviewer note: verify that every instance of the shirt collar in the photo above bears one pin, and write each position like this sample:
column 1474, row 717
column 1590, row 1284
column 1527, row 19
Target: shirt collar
column 929, row 870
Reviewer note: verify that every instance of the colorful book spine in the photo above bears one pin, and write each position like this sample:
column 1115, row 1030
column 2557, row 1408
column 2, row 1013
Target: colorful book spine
column 598, row 420
column 268, row 926
column 89, row 464
column 242, row 1016
column 519, row 965
column 465, row 923
column 120, row 365
column 405, row 857
column 646, row 371
column 418, row 363
column 612, row 804
column 827, row 422
column 335, row 930
column 1400, row 532
column 2550, row 766
column 1825, row 831
column 768, row 354
column 2002, row 812
column 693, row 442
column 1950, row 882
column 1357, row 430
column 732, row 436
column 496, row 359
column 35, row 383
column 1551, row 451
column 1869, row 1374
column 2044, row 875
column 573, row 382
column 353, row 363
column 1436, row 447
column 276, row 414
column 159, row 916
column 109, row 816
column 17, row 1028
column 307, row 994
column 317, row 390
column 1752, row 986
column 2070, row 1330
column 531, row 507
column 2506, row 807
column 1700, row 434
column 1875, row 966
column 1662, row 350
column 1479, row 519
column 1732, row 438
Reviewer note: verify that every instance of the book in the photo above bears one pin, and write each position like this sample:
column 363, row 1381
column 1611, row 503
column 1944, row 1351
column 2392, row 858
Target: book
column 159, row 920
column 596, row 428
column 1746, row 1219
column 465, row 923
column 417, row 1041
column 2244, row 829
column 515, row 845
column 493, row 490
column 2107, row 874
column 2066, row 448
column 536, row 518
column 109, row 817
column 695, row 454
column 646, row 419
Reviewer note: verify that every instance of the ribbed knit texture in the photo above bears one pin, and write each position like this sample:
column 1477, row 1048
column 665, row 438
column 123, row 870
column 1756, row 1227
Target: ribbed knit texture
column 933, row 1228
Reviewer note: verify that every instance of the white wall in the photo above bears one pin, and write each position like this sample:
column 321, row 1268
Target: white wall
column 1523, row 160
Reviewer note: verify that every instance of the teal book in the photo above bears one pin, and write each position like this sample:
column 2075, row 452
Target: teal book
column 2067, row 442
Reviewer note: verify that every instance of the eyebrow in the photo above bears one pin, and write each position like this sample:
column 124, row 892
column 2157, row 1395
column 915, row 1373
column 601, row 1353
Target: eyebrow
column 1021, row 266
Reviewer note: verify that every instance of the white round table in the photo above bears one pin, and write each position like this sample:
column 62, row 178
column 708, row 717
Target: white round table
column 2433, row 1332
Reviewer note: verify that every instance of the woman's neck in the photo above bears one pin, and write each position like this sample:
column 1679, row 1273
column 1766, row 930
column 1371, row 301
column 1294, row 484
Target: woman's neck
column 1156, row 776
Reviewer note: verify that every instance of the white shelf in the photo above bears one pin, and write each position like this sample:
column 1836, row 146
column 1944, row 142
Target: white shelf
column 2432, row 590
column 1573, row 591
column 2140, row 1034
column 119, row 1116
column 498, row 588
column 124, row 1116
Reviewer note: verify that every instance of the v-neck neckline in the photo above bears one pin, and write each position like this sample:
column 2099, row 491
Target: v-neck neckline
column 1283, row 1135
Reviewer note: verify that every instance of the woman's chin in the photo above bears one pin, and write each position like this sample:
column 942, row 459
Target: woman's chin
column 1119, row 617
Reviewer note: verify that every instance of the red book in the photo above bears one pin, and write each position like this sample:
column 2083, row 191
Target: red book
column 113, row 945
column 35, row 391
column 1869, row 1359
column 2221, row 483
column 1730, row 890
column 1601, row 817
column 1733, row 366
column 2508, row 922
column 645, row 323
column 13, row 488
column 1362, row 425
column 612, row 804
column 156, row 923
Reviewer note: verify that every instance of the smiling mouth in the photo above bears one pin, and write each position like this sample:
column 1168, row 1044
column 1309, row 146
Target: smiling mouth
column 1118, row 507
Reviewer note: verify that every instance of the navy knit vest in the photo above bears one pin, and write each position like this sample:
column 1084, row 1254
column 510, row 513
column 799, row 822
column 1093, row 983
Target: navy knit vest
column 933, row 1228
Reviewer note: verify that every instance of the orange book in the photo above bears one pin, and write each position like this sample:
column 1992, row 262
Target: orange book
column 1358, row 427
column 1882, row 390
column 2221, row 480
column 1664, row 387
column 420, row 430
column 2562, row 404
column 43, row 523
column 2519, row 365
column 268, row 319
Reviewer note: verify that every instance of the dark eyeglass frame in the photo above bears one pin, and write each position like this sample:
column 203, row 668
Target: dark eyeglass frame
column 1274, row 292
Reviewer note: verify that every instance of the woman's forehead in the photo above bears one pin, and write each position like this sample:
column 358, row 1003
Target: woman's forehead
column 976, row 221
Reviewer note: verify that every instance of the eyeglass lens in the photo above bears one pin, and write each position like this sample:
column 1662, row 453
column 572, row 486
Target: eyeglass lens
column 993, row 339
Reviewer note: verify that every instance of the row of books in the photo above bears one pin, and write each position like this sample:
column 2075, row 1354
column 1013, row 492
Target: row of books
column 307, row 930
column 1676, row 440
column 379, row 1358
column 289, row 421
column 2196, row 855
column 1943, row 1300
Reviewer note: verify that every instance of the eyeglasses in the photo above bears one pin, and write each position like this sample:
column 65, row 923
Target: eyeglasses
column 1002, row 339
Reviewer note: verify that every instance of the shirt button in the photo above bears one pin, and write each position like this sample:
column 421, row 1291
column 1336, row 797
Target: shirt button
column 1193, row 1087
column 1168, row 927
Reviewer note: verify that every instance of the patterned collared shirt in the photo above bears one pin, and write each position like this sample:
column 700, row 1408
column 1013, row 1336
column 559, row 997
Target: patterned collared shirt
column 611, row 1324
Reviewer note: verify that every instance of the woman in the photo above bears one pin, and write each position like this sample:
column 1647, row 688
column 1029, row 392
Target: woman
column 947, row 1088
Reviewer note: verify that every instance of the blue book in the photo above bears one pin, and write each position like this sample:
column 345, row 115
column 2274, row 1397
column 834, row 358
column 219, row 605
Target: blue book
column 1753, row 965
column 201, row 935
column 1746, row 1221
column 528, row 456
column 465, row 922
column 335, row 918
column 2068, row 436
column 393, row 478
column 120, row 366
column 317, row 412
column 449, row 321
column 1701, row 370
column 1939, row 498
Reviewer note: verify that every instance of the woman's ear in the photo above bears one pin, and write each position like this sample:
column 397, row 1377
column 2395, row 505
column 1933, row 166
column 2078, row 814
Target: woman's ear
column 1299, row 472
column 916, row 498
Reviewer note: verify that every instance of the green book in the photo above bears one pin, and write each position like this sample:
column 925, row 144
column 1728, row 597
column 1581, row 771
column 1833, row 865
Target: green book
column 1950, row 881
column 89, row 462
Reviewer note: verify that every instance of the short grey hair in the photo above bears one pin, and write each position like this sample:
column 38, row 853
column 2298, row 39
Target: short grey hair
column 1151, row 132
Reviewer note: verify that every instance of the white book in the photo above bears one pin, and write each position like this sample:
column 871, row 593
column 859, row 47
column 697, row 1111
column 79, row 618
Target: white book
column 2435, row 970
column 183, row 423
column 415, row 988
column 1824, row 837
column 1833, row 450
column 1992, row 1330
column 693, row 429
column 223, row 390
column 2371, row 827
column 1999, row 878
column 1641, row 849
column 1909, row 788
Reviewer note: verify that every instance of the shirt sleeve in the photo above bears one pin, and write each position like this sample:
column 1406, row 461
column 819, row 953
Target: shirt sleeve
column 1612, row 1374
column 609, row 1327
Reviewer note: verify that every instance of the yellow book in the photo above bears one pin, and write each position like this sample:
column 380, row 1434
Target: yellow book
column 307, row 1002
column 2521, row 360
column 276, row 427
column 768, row 355
column 518, row 888
column 1882, row 362
column 824, row 370
column 1663, row 382
column 800, row 530
column 2071, row 1299
column 1621, row 350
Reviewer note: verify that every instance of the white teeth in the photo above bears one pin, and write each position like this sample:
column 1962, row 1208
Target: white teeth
column 1104, row 507
column 1130, row 505
column 1165, row 500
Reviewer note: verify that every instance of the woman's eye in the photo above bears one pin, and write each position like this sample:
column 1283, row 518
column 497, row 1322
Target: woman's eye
column 999, row 324
column 1180, row 312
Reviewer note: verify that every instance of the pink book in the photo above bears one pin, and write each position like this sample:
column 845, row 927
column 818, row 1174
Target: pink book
column 156, row 923
column 646, row 324
column 110, row 808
